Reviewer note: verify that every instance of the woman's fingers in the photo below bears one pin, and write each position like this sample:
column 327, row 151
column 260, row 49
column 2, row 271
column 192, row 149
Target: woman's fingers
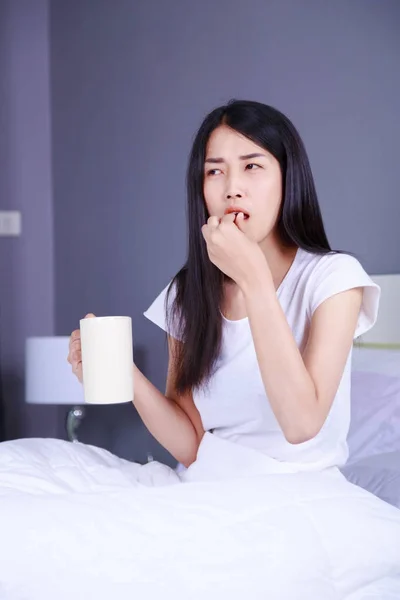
column 213, row 222
column 75, row 350
column 76, row 355
column 74, row 346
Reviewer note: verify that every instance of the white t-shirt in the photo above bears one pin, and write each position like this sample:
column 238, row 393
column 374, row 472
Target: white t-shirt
column 234, row 405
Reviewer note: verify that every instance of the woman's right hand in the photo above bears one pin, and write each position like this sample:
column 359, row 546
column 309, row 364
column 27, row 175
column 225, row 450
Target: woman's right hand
column 75, row 352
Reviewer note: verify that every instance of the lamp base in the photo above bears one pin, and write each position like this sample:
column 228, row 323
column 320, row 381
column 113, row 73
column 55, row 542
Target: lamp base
column 74, row 419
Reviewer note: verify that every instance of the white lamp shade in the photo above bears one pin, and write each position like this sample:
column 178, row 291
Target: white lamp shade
column 49, row 378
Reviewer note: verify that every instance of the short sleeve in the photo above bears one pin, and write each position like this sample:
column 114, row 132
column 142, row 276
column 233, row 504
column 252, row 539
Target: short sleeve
column 157, row 312
column 336, row 273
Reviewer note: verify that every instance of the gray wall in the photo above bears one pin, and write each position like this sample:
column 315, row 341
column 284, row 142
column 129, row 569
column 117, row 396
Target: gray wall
column 131, row 82
column 26, row 263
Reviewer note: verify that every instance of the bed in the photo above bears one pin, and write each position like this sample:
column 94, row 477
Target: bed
column 379, row 474
column 374, row 437
column 79, row 522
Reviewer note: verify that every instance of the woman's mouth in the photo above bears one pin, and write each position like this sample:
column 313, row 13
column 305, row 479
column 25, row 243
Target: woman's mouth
column 236, row 210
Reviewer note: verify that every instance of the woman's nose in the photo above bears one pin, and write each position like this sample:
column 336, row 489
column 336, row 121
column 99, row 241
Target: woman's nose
column 231, row 195
column 233, row 189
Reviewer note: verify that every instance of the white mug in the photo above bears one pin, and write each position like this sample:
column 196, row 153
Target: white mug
column 107, row 359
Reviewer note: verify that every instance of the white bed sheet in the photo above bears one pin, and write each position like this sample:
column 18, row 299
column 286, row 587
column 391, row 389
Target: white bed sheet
column 78, row 522
column 379, row 474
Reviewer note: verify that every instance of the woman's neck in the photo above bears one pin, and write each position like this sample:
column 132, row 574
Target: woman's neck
column 279, row 258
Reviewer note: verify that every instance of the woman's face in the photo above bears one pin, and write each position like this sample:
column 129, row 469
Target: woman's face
column 240, row 176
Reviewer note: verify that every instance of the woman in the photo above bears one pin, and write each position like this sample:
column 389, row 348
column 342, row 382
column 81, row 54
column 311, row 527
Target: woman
column 262, row 317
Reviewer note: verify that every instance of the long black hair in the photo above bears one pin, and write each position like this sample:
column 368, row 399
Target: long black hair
column 198, row 286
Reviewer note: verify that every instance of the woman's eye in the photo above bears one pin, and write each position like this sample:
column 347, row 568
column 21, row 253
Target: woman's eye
column 251, row 166
column 212, row 171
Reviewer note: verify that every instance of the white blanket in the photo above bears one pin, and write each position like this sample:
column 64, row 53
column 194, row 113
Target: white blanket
column 78, row 522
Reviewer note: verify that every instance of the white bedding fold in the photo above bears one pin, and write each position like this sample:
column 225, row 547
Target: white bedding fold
column 76, row 521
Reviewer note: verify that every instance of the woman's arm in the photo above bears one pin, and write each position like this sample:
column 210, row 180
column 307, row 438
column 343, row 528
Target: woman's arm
column 172, row 419
column 301, row 388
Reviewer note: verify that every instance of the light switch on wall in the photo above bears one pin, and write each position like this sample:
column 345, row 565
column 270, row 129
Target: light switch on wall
column 10, row 223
